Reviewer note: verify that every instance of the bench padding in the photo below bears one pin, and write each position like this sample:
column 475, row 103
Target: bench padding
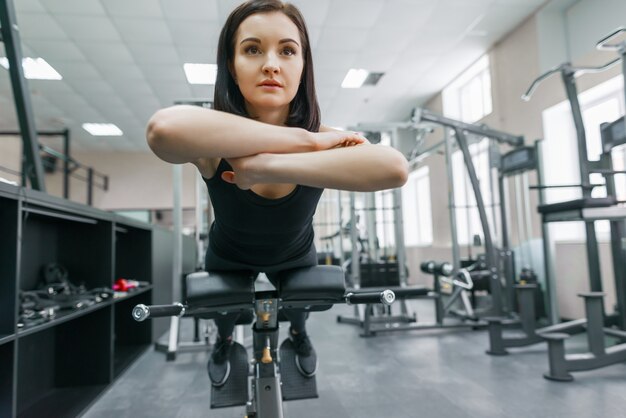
column 219, row 288
column 323, row 283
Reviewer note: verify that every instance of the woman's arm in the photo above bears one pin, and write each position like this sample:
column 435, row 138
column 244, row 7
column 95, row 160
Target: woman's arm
column 182, row 134
column 363, row 168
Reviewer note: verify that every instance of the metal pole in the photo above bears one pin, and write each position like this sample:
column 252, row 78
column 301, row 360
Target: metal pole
column 66, row 164
column 177, row 216
column 399, row 233
column 500, row 136
column 355, row 266
column 340, row 237
column 456, row 253
column 32, row 166
column 496, row 284
column 548, row 247
column 90, row 186
column 199, row 217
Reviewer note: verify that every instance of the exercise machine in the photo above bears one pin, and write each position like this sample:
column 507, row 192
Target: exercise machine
column 589, row 210
column 275, row 376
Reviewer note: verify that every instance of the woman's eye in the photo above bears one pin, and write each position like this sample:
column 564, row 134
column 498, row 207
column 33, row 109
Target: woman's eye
column 289, row 51
column 252, row 50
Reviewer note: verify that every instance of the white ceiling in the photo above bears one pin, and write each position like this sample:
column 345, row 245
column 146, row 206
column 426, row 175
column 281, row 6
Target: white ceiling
column 121, row 60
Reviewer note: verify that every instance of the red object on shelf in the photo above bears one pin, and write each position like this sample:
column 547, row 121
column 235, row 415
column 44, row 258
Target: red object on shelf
column 123, row 285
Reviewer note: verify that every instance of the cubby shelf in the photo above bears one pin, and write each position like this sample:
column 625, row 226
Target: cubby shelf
column 60, row 367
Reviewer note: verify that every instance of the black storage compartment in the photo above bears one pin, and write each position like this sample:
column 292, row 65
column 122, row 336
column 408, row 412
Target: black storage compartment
column 81, row 244
column 130, row 338
column 133, row 253
column 9, row 224
column 7, row 357
column 62, row 369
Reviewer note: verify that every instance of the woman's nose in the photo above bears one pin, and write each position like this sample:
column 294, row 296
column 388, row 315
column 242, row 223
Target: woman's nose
column 271, row 65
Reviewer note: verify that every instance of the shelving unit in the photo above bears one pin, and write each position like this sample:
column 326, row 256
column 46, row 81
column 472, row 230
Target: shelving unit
column 60, row 367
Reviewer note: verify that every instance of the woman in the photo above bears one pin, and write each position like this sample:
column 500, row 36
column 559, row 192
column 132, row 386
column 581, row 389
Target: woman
column 266, row 158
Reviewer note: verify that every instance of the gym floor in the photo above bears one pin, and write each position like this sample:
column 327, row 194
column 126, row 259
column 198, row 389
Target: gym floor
column 430, row 374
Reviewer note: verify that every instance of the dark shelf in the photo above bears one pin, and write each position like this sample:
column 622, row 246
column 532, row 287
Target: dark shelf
column 7, row 356
column 125, row 355
column 6, row 338
column 133, row 294
column 130, row 338
column 63, row 317
column 63, row 402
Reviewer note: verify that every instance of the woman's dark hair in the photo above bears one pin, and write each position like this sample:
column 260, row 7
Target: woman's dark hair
column 304, row 111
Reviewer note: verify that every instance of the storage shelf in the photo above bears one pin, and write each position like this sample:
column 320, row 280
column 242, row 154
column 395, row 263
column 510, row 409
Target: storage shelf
column 63, row 317
column 6, row 338
column 133, row 293
column 63, row 402
column 125, row 355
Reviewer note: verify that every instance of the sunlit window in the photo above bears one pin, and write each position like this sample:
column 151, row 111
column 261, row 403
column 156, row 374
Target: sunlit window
column 468, row 98
column 416, row 209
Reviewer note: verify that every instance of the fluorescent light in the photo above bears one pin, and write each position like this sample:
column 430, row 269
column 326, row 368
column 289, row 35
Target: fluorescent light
column 200, row 73
column 102, row 129
column 35, row 69
column 354, row 79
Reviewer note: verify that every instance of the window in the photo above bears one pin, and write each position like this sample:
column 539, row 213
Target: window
column 416, row 209
column 602, row 103
column 468, row 98
column 467, row 216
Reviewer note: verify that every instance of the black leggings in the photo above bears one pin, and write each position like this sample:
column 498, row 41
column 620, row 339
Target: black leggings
column 226, row 323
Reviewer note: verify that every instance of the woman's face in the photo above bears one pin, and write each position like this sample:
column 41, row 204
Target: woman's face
column 268, row 62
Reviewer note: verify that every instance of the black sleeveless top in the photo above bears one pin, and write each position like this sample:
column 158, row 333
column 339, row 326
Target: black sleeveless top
column 252, row 229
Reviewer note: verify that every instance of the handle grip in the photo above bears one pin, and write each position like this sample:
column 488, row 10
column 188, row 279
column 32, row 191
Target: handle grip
column 142, row 312
column 386, row 297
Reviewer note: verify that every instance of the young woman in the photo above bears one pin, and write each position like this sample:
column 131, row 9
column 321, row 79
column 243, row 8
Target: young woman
column 266, row 158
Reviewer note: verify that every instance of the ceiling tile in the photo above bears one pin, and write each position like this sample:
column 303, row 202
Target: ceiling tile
column 197, row 54
column 88, row 28
column 153, row 54
column 205, row 10
column 28, row 6
column 340, row 39
column 59, row 50
column 165, row 73
column 106, row 52
column 359, row 14
column 153, row 31
column 74, row 7
column 331, row 60
column 134, row 8
column 194, row 33
column 40, row 26
column 314, row 12
column 76, row 70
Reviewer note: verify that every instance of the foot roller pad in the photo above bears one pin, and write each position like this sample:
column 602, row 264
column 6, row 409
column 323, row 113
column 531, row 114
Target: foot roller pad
column 294, row 385
column 235, row 391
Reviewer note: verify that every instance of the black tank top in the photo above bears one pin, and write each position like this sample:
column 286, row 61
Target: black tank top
column 252, row 229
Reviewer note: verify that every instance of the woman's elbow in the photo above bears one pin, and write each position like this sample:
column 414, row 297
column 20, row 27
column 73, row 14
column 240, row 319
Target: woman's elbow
column 159, row 137
column 156, row 130
column 400, row 172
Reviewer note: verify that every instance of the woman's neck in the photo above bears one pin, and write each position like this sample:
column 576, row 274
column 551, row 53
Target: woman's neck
column 271, row 116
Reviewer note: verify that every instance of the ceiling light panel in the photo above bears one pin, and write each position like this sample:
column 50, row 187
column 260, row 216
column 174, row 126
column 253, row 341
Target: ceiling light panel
column 102, row 129
column 35, row 69
column 200, row 73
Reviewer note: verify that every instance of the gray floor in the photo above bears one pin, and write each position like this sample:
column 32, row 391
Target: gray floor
column 429, row 374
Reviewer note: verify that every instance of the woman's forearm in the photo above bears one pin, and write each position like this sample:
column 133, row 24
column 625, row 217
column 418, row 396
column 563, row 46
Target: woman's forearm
column 362, row 168
column 181, row 134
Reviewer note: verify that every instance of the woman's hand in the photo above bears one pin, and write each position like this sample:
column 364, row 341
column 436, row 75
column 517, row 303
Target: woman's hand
column 243, row 173
column 337, row 139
